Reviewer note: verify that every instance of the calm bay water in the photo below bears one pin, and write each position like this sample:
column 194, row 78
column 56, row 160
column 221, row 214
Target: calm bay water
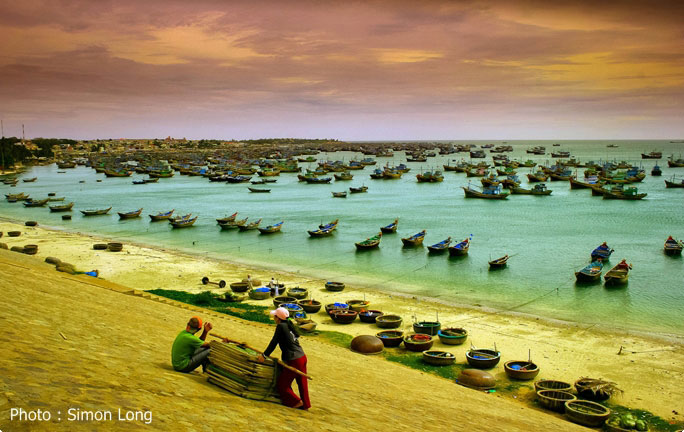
column 548, row 238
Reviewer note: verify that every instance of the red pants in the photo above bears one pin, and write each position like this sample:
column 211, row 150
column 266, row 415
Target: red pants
column 284, row 384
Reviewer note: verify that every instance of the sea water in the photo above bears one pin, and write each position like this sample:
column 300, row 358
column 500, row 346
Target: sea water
column 547, row 237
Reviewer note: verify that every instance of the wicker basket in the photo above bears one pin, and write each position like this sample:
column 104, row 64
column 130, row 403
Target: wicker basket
column 391, row 338
column 388, row 321
column 586, row 413
column 30, row 249
column 452, row 336
column 14, row 233
column 334, row 286
column 369, row 316
column 298, row 293
column 241, row 287
column 358, row 305
column 115, row 247
column 554, row 399
column 283, row 299
column 310, row 306
column 259, row 295
column 418, row 342
column 31, row 223
column 552, row 385
column 341, row 316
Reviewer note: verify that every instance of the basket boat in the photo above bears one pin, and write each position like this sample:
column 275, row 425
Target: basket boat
column 391, row 338
column 586, row 413
column 438, row 358
column 258, row 294
column 343, row 316
column 521, row 370
column 388, row 321
column 310, row 306
column 335, row 306
column 114, row 246
column 554, row 399
column 483, row 358
column 369, row 316
column 586, row 392
column 239, row 286
column 298, row 293
column 427, row 327
column 418, row 342
column 452, row 336
column 358, row 305
column 278, row 301
column 552, row 385
column 334, row 286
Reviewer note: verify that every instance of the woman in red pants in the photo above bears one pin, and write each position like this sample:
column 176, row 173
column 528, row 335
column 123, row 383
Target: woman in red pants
column 287, row 338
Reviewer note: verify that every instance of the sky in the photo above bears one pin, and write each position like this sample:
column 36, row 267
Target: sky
column 349, row 70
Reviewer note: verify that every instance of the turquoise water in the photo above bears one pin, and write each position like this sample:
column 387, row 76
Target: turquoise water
column 548, row 238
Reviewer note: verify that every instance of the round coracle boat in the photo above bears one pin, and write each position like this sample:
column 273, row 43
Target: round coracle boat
column 369, row 316
column 305, row 325
column 310, row 306
column 343, row 316
column 476, row 379
column 30, row 249
column 278, row 290
column 278, row 301
column 31, row 223
column 586, row 413
column 14, row 233
column 521, row 370
column 552, row 385
column 254, row 282
column 335, row 306
column 554, row 399
column 483, row 358
column 391, row 338
column 427, row 327
column 259, row 293
column 358, row 305
column 115, row 246
column 587, row 391
column 367, row 344
column 292, row 307
column 239, row 286
column 438, row 358
column 334, row 286
column 452, row 336
column 298, row 293
column 418, row 342
column 388, row 321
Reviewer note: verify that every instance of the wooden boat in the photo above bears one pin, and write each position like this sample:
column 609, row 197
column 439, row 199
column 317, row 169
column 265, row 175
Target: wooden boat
column 17, row 197
column 179, row 218
column 521, row 369
column 258, row 182
column 29, row 180
column 460, row 249
column 602, row 251
column 358, row 189
column 589, row 183
column 391, row 228
column 271, row 228
column 95, row 212
column 538, row 189
column 370, row 242
column 343, row 176
column 183, row 223
column 234, row 223
column 452, row 336
column 250, row 226
column 586, row 413
column 438, row 358
column 430, row 177
column 256, row 190
column 51, row 199
column 35, row 203
column 138, row 182
column 652, row 155
column 267, row 172
column 539, row 176
column 671, row 163
column 415, row 239
column 161, row 216
column 238, row 179
column 440, row 247
column 590, row 273
column 483, row 358
column 339, row 194
column 656, row 171
column 673, row 247
column 499, row 262
column 628, row 193
column 227, row 219
column 130, row 214
column 673, row 184
column 151, row 180
column 427, row 327
column 486, row 193
column 618, row 275
column 418, row 342
column 118, row 173
column 390, row 338
column 62, row 208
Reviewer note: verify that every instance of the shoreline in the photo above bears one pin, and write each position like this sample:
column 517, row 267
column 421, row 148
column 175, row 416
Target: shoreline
column 307, row 278
column 563, row 350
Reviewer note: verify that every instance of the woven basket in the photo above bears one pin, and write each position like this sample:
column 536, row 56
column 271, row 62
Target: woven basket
column 259, row 295
column 586, row 413
column 554, row 399
column 310, row 306
column 552, row 385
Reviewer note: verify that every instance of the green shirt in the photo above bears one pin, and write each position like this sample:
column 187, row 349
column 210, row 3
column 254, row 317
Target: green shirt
column 183, row 348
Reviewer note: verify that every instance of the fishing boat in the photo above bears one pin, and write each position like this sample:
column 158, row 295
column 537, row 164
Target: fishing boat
column 499, row 262
column 538, row 189
column 96, row 212
column 538, row 176
column 602, row 251
column 488, row 192
column 430, row 177
column 29, row 180
column 628, row 193
column 51, row 199
column 460, row 249
column 591, row 272
column 482, row 358
column 183, row 223
column 673, row 247
column 130, row 214
column 619, row 274
column 674, row 184
column 161, row 216
column 339, row 194
column 440, row 247
column 238, row 179
column 268, row 172
column 332, row 225
column 343, row 176
column 656, row 171
column 151, row 180
column 35, row 203
column 358, row 189
column 250, row 226
column 652, row 155
column 257, row 190
column 138, row 182
column 317, row 180
column 227, row 218
column 118, row 173
column 324, row 230
column 391, row 228
column 258, row 182
column 588, row 183
column 16, row 197
column 415, row 239
column 271, row 228
column 671, row 162
column 370, row 242
column 62, row 208
column 233, row 224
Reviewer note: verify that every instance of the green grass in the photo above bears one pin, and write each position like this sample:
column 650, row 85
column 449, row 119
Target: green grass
column 207, row 300
column 336, row 338
column 655, row 423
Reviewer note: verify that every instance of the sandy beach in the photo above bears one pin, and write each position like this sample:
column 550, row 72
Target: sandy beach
column 106, row 329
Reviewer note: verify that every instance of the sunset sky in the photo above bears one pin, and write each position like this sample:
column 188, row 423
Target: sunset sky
column 343, row 69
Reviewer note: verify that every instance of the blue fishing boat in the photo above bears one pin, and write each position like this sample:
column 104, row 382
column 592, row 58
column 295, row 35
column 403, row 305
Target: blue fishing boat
column 591, row 272
column 161, row 216
column 440, row 247
column 603, row 252
column 391, row 228
column 414, row 240
column 460, row 249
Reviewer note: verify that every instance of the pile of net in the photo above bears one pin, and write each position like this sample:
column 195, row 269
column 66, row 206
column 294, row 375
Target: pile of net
column 235, row 368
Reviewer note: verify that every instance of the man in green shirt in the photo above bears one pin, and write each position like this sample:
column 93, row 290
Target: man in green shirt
column 190, row 351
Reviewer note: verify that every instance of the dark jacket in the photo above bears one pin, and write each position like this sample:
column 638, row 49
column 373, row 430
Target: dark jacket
column 288, row 342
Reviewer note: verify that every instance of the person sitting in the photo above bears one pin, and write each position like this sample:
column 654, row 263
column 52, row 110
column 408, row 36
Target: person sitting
column 623, row 265
column 189, row 351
